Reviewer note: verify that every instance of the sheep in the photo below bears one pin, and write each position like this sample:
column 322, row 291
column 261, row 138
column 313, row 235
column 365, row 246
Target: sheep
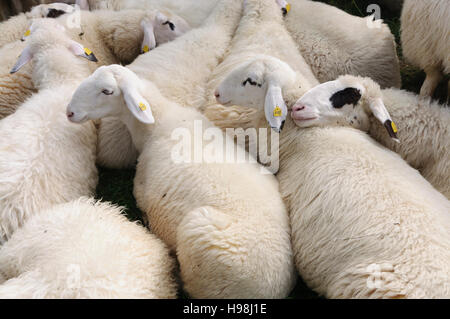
column 422, row 124
column 250, row 41
column 85, row 249
column 14, row 28
column 166, row 63
column 425, row 37
column 44, row 160
column 230, row 231
column 114, row 37
column 194, row 11
column 321, row 170
column 364, row 223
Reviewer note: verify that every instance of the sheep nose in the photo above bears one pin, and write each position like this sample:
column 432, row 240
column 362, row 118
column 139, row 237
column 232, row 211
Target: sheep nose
column 297, row 108
column 70, row 114
column 216, row 94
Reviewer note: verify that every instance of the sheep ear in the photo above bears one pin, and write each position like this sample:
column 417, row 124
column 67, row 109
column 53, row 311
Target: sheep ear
column 275, row 108
column 379, row 110
column 136, row 103
column 83, row 4
column 149, row 42
column 79, row 50
column 24, row 58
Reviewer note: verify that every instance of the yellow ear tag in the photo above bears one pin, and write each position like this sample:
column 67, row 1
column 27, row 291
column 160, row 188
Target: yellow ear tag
column 27, row 33
column 87, row 51
column 146, row 49
column 142, row 106
column 277, row 112
column 288, row 7
column 394, row 127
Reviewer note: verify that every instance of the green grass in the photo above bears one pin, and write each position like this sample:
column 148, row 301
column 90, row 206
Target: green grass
column 116, row 186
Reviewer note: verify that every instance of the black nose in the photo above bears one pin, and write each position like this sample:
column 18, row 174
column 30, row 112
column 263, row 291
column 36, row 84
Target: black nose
column 284, row 11
column 70, row 114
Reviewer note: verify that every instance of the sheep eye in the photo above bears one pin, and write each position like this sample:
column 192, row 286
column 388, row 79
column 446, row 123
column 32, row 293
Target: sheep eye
column 107, row 92
column 171, row 25
column 249, row 80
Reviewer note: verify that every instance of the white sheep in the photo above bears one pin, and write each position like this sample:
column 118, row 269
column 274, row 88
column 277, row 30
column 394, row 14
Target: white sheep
column 45, row 160
column 425, row 36
column 226, row 221
column 364, row 223
column 423, row 126
column 250, row 42
column 85, row 249
column 332, row 41
column 15, row 27
column 115, row 37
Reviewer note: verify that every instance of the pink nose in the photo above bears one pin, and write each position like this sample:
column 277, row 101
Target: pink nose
column 298, row 107
column 70, row 114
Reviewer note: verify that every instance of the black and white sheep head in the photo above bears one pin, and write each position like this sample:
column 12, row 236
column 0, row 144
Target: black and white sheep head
column 109, row 91
column 160, row 29
column 347, row 101
column 47, row 35
column 52, row 10
column 258, row 84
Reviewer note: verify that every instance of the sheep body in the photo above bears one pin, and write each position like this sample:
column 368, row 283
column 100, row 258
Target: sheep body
column 364, row 224
column 425, row 36
column 231, row 238
column 327, row 39
column 45, row 159
column 85, row 249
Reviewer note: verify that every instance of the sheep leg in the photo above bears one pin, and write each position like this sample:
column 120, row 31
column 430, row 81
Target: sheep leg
column 434, row 76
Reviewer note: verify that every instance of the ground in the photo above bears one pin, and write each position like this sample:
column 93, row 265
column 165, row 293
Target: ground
column 117, row 185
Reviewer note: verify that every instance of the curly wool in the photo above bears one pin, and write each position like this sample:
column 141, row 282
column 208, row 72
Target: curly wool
column 85, row 249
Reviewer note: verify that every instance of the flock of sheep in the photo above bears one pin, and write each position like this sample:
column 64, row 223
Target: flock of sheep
column 359, row 206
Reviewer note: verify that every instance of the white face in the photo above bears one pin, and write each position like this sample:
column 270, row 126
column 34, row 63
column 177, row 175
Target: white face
column 244, row 86
column 331, row 104
column 111, row 91
column 98, row 96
